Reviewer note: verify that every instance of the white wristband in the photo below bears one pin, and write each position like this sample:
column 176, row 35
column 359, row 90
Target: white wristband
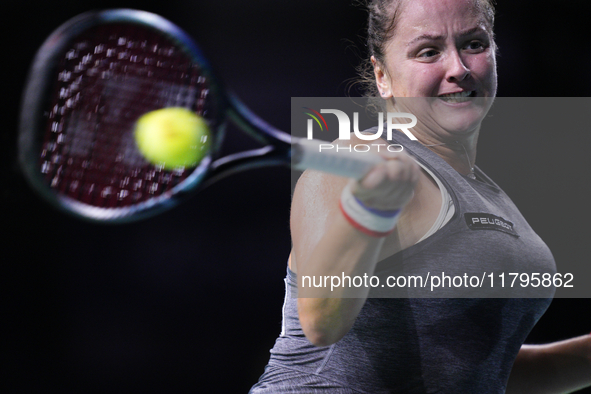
column 368, row 220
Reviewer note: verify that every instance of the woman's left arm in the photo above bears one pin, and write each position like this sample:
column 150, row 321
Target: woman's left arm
column 559, row 367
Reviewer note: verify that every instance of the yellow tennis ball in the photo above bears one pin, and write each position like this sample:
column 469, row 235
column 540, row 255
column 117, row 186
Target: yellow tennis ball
column 172, row 137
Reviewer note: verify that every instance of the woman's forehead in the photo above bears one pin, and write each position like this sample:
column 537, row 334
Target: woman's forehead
column 436, row 17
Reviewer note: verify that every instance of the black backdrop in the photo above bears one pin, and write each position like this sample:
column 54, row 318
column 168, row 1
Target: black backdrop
column 190, row 301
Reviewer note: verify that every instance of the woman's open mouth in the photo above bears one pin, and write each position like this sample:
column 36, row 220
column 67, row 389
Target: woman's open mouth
column 458, row 97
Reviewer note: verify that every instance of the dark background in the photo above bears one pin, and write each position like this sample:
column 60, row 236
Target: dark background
column 190, row 301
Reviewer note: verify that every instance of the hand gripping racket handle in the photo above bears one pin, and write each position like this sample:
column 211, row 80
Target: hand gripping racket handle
column 307, row 154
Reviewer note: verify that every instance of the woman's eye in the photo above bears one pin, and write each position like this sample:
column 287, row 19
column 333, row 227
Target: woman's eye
column 428, row 53
column 475, row 46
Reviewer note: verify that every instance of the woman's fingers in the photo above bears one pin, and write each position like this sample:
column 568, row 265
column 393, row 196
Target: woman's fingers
column 390, row 184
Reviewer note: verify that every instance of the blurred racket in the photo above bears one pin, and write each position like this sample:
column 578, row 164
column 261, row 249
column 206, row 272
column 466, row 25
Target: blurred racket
column 90, row 82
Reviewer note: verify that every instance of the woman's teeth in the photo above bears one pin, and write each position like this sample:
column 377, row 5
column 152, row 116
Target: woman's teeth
column 456, row 97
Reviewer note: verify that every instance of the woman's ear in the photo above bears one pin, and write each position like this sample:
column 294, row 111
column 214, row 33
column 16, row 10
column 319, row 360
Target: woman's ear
column 382, row 79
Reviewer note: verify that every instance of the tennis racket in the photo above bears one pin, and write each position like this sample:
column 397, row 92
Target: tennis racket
column 90, row 82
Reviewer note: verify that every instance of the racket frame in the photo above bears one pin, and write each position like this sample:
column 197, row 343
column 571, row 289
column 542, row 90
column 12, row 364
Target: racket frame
column 276, row 149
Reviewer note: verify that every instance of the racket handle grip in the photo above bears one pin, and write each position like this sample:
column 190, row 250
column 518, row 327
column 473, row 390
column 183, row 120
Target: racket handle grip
column 325, row 157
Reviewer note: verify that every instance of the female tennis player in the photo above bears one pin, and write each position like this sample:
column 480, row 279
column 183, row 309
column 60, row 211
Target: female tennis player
column 413, row 212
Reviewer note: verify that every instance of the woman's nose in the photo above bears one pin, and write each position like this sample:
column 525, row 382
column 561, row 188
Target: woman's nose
column 457, row 69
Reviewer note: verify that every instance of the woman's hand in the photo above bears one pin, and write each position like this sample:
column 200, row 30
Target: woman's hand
column 389, row 185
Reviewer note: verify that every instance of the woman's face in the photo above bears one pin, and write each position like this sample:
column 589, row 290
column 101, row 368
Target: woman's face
column 441, row 49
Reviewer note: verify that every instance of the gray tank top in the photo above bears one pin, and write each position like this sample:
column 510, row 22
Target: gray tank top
column 427, row 345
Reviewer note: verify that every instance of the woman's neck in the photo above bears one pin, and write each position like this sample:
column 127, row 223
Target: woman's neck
column 458, row 151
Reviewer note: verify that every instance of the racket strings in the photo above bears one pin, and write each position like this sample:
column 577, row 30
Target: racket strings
column 108, row 78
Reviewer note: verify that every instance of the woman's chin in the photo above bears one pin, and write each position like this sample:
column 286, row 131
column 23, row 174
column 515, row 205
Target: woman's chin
column 457, row 117
column 460, row 117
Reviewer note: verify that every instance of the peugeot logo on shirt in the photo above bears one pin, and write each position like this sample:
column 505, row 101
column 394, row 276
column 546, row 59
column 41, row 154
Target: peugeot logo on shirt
column 488, row 221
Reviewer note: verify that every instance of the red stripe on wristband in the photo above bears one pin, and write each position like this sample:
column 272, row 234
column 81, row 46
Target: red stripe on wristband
column 361, row 228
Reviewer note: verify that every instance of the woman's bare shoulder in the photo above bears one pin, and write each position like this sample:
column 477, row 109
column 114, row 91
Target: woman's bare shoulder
column 317, row 191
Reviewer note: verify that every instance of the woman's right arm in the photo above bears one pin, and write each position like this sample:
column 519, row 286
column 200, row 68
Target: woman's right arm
column 326, row 244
